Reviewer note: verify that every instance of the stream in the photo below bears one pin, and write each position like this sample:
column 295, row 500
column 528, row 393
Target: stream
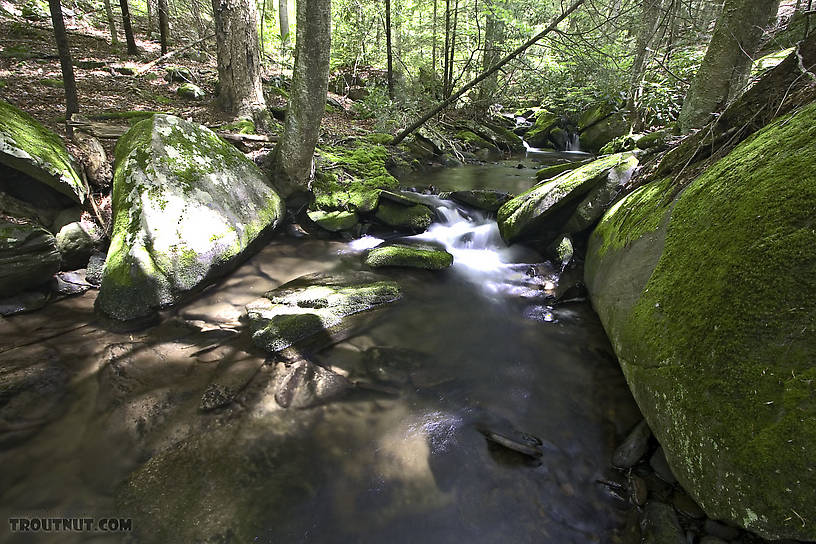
column 401, row 458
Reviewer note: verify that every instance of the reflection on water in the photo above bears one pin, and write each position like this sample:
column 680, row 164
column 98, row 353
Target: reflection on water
column 401, row 458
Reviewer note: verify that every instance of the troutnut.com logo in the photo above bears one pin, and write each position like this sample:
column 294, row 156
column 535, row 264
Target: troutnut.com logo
column 50, row 524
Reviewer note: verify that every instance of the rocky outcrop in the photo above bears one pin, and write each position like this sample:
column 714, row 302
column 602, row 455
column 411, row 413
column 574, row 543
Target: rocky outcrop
column 29, row 147
column 574, row 198
column 187, row 208
column 706, row 290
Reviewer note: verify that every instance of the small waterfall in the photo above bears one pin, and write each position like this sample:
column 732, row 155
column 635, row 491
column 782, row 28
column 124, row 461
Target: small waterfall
column 573, row 143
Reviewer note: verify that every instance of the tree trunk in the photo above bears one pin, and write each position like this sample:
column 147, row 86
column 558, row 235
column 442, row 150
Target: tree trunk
column 728, row 60
column 131, row 41
column 149, row 4
column 71, row 101
column 494, row 35
column 164, row 26
column 283, row 15
column 390, row 61
column 649, row 20
column 452, row 48
column 307, row 97
column 445, row 50
column 111, row 23
column 433, row 39
column 239, row 60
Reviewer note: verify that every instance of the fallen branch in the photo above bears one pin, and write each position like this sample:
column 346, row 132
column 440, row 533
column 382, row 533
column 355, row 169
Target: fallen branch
column 170, row 54
column 484, row 75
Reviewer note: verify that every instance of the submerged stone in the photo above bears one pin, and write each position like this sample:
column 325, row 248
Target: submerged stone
column 27, row 146
column 315, row 305
column 708, row 296
column 187, row 208
column 547, row 206
column 409, row 255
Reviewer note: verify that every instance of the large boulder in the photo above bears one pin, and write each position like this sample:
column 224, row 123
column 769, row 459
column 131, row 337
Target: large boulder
column 707, row 292
column 27, row 146
column 187, row 208
column 599, row 125
column 540, row 212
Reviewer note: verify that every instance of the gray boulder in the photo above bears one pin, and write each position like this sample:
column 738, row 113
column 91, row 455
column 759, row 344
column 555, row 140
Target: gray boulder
column 28, row 252
column 77, row 241
column 187, row 208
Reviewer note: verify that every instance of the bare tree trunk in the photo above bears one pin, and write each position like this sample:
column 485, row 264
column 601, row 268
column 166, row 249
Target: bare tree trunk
column 494, row 34
column 283, row 16
column 307, row 97
column 507, row 58
column 71, row 101
column 445, row 50
column 164, row 26
column 433, row 40
column 452, row 48
column 261, row 37
column 149, row 4
column 648, row 24
column 131, row 41
column 239, row 62
column 111, row 23
column 728, row 60
column 390, row 72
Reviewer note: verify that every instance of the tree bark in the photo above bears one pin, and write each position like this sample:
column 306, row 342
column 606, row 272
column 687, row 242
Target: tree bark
column 239, row 61
column 131, row 41
column 494, row 35
column 389, row 57
column 516, row 52
column 164, row 26
column 71, row 101
column 433, row 39
column 647, row 29
column 149, row 33
column 307, row 97
column 111, row 23
column 727, row 63
column 283, row 17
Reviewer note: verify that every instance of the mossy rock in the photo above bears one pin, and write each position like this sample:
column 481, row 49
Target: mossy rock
column 314, row 307
column 334, row 221
column 539, row 134
column 188, row 208
column 409, row 255
column 482, row 199
column 379, row 138
column 543, row 210
column 190, row 91
column 358, row 175
column 549, row 172
column 600, row 124
column 709, row 298
column 415, row 218
column 241, row 126
column 28, row 252
column 178, row 74
column 27, row 146
column 474, row 140
column 53, row 83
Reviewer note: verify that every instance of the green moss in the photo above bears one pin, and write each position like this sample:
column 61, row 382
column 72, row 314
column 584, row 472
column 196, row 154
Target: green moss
column 719, row 348
column 379, row 138
column 549, row 172
column 334, row 221
column 18, row 130
column 53, row 83
column 414, row 218
column 241, row 126
column 133, row 116
column 473, row 139
column 545, row 120
column 412, row 256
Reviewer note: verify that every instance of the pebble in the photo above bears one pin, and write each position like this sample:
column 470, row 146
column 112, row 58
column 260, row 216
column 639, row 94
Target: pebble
column 720, row 530
column 633, row 447
column 661, row 466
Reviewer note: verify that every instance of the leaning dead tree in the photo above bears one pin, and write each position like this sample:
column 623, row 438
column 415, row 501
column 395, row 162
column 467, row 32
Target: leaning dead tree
column 484, row 75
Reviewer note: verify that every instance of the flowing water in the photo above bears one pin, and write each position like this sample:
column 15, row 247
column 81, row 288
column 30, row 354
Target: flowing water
column 402, row 458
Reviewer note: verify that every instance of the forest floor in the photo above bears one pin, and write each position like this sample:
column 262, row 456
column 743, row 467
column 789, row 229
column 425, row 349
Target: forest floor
column 31, row 79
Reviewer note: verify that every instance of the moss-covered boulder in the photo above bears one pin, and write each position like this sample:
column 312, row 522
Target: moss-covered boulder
column 599, row 125
column 187, row 208
column 474, row 140
column 190, row 91
column 314, row 307
column 708, row 295
column 28, row 252
column 542, row 211
column 539, row 134
column 334, row 221
column 358, row 173
column 409, row 255
column 27, row 146
column 482, row 199
column 414, row 218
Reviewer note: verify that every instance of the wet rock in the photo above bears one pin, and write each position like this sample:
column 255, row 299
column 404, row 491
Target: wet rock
column 228, row 382
column 539, row 134
column 686, row 506
column 633, row 447
column 659, row 525
column 517, row 441
column 427, row 256
column 661, row 467
column 561, row 251
column 638, row 491
column 406, row 198
column 190, row 91
column 482, row 199
column 77, row 241
column 69, row 284
column 27, row 301
column 189, row 207
column 29, row 147
column 549, row 205
column 720, row 530
column 28, row 254
column 415, row 218
column 334, row 221
column 315, row 306
column 303, row 384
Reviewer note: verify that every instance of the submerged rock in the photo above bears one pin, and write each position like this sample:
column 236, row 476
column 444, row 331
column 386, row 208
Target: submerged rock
column 188, row 207
column 409, row 255
column 27, row 146
column 660, row 525
column 708, row 295
column 314, row 307
column 634, row 447
column 549, row 205
column 303, row 384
